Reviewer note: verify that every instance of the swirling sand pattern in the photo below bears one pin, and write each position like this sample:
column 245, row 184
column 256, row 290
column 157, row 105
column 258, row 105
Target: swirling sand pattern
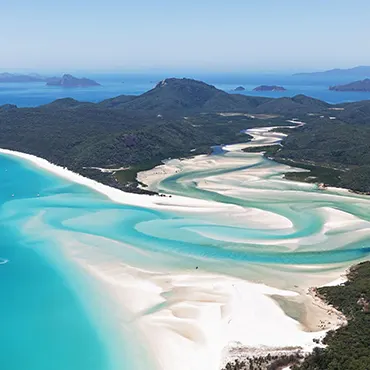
column 170, row 282
column 317, row 227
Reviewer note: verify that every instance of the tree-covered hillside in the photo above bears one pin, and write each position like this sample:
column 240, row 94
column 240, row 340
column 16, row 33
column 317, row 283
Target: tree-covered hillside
column 180, row 115
column 349, row 347
column 336, row 144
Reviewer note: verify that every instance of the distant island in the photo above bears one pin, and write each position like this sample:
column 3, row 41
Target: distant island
column 68, row 80
column 360, row 72
column 239, row 88
column 360, row 86
column 20, row 78
column 269, row 88
column 351, row 298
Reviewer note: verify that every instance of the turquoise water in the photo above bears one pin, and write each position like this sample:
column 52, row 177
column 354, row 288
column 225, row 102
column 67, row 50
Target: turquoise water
column 53, row 232
column 46, row 324
column 301, row 210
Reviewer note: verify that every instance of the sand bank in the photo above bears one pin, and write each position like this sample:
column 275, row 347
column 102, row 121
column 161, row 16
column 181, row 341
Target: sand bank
column 201, row 321
column 177, row 203
column 192, row 320
column 108, row 170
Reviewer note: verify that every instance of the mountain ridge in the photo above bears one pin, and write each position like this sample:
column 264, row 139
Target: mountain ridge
column 360, row 86
column 67, row 80
column 360, row 71
column 6, row 77
column 184, row 96
column 172, row 119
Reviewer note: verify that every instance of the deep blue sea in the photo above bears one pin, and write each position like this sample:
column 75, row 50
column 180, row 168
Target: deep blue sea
column 34, row 94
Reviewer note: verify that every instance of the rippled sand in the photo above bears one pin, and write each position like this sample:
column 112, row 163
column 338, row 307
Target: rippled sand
column 225, row 263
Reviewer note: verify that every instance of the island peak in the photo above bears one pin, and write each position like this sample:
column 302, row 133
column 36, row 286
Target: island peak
column 67, row 80
column 360, row 86
column 269, row 88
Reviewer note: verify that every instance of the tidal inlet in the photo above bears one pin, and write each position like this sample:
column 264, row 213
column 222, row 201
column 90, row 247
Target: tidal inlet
column 220, row 265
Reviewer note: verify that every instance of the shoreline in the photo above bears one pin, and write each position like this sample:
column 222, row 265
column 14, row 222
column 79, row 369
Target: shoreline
column 156, row 201
column 150, row 178
column 189, row 319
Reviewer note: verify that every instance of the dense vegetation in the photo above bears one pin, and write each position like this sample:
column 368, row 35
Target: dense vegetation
column 268, row 149
column 334, row 144
column 362, row 85
column 269, row 362
column 90, row 136
column 348, row 348
column 129, row 131
column 180, row 117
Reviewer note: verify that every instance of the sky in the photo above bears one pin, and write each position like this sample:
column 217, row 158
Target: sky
column 211, row 35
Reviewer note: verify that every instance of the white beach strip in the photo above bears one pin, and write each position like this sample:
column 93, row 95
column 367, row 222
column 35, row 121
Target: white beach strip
column 107, row 170
column 296, row 122
column 261, row 136
column 177, row 203
column 341, row 280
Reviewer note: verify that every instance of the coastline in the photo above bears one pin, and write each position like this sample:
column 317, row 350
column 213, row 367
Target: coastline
column 116, row 195
column 188, row 318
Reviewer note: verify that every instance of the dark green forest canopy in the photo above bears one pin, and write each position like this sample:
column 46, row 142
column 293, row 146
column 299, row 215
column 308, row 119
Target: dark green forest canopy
column 336, row 144
column 178, row 116
column 348, row 348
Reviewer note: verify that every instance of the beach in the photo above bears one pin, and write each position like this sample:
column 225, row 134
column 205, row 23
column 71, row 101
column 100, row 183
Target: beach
column 198, row 309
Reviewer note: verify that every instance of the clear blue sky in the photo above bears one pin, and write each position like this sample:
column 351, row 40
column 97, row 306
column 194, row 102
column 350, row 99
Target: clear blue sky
column 229, row 35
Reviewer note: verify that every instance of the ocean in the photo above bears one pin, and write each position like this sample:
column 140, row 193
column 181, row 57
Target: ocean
column 34, row 94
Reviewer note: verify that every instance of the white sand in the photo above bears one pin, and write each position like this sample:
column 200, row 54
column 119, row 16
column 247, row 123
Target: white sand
column 341, row 280
column 262, row 136
column 201, row 317
column 177, row 203
column 187, row 321
column 107, row 170
column 266, row 183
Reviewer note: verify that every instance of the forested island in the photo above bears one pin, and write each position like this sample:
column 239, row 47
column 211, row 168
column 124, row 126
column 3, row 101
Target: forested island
column 361, row 86
column 180, row 115
column 269, row 88
column 239, row 88
column 68, row 80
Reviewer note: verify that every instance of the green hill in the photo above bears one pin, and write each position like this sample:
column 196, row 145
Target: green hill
column 361, row 86
column 179, row 115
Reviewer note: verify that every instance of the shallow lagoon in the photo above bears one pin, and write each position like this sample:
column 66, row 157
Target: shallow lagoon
column 55, row 233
